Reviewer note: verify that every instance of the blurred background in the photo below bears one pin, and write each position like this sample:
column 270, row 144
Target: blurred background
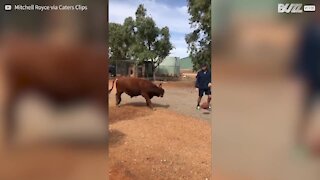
column 53, row 102
column 266, row 95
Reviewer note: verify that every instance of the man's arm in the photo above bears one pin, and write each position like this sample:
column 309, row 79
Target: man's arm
column 209, row 85
column 299, row 65
column 197, row 80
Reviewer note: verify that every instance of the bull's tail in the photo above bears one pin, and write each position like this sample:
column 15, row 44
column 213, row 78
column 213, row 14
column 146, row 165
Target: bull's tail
column 114, row 81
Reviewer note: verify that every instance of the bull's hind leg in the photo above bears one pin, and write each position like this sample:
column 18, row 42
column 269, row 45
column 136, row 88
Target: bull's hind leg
column 118, row 98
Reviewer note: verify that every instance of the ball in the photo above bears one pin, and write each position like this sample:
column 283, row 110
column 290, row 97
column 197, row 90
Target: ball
column 205, row 105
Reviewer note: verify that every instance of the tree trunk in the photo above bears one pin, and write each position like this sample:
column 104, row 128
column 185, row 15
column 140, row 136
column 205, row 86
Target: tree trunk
column 135, row 69
column 154, row 75
column 154, row 72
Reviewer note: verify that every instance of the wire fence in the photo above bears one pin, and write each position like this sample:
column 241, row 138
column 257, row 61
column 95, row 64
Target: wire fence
column 144, row 70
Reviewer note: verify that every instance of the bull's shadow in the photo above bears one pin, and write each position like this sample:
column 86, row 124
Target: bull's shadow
column 143, row 104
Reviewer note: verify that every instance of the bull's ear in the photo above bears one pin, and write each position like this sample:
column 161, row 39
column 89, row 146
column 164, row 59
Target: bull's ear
column 160, row 85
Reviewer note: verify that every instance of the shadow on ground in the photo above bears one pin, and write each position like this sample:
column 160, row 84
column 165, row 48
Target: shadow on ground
column 116, row 137
column 131, row 111
column 141, row 104
column 206, row 113
column 122, row 113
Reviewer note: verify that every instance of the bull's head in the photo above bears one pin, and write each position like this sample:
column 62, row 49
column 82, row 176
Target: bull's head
column 161, row 92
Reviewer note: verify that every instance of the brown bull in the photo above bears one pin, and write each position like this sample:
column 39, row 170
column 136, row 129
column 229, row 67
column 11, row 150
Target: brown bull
column 136, row 87
column 65, row 74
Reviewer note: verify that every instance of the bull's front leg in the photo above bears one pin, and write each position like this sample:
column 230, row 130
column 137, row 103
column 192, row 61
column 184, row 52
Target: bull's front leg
column 148, row 100
column 118, row 98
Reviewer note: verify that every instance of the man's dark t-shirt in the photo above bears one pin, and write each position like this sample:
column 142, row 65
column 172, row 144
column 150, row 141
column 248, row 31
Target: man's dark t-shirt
column 203, row 79
column 308, row 64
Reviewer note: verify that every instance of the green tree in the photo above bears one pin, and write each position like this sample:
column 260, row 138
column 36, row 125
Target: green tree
column 199, row 40
column 151, row 43
column 140, row 40
column 121, row 40
column 116, row 42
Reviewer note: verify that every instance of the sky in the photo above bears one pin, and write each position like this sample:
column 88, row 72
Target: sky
column 171, row 13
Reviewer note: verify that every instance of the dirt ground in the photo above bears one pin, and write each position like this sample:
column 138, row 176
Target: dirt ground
column 172, row 142
column 180, row 97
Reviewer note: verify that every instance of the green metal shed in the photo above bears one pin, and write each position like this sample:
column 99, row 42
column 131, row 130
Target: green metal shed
column 170, row 66
column 186, row 64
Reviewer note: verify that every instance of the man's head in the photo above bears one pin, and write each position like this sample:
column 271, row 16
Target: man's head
column 204, row 67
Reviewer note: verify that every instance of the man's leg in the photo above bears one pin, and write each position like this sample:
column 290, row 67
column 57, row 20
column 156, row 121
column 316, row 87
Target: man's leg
column 304, row 121
column 209, row 99
column 199, row 98
column 208, row 92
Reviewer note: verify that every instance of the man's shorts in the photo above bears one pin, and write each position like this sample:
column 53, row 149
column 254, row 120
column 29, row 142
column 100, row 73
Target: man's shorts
column 312, row 94
column 204, row 91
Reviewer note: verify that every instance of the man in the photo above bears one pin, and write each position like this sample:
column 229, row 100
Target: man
column 308, row 67
column 203, row 84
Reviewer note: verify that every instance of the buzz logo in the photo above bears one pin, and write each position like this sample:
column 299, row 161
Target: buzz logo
column 290, row 8
column 295, row 8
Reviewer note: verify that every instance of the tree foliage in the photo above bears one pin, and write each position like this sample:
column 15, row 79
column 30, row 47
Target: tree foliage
column 139, row 39
column 199, row 40
column 121, row 40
